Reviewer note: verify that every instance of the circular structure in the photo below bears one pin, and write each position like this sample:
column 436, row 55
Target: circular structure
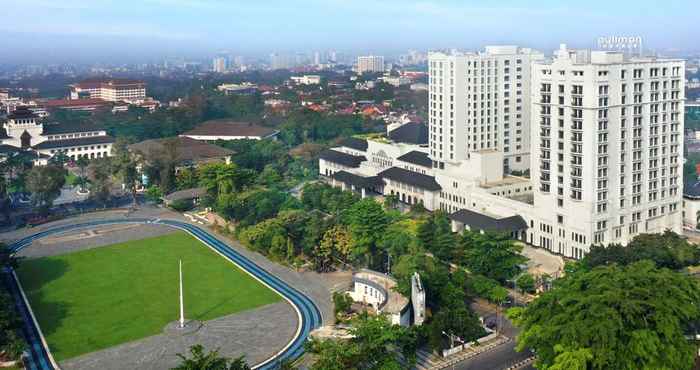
column 309, row 316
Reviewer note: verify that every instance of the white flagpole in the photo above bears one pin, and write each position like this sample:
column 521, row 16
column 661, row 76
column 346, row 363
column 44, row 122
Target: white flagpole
column 182, row 306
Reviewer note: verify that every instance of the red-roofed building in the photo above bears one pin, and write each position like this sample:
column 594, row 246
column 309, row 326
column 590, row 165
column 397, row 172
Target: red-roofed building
column 77, row 104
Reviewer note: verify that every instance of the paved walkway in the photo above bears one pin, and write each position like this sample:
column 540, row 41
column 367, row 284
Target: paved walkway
column 73, row 241
column 257, row 334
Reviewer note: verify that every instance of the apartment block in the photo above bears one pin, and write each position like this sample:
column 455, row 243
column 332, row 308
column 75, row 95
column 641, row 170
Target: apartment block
column 370, row 64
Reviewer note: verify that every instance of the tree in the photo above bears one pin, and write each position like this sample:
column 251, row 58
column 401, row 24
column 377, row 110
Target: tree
column 101, row 179
column 391, row 201
column 7, row 258
column 339, row 240
column 45, row 183
column 426, row 233
column 493, row 255
column 458, row 321
column 367, row 222
column 154, row 194
column 341, row 303
column 612, row 317
column 397, row 241
column 82, row 163
column 209, row 361
column 443, row 243
column 124, row 165
column 221, row 178
column 374, row 344
column 525, row 283
column 665, row 250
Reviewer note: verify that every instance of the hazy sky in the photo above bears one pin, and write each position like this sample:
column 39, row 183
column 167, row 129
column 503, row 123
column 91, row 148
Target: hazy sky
column 106, row 29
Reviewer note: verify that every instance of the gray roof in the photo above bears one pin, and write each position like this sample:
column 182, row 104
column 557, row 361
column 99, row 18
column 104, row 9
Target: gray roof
column 417, row 158
column 88, row 140
column 356, row 180
column 411, row 178
column 347, row 160
column 186, row 150
column 355, row 143
column 21, row 113
column 186, row 194
column 478, row 221
column 691, row 189
column 410, row 133
column 227, row 127
column 65, row 128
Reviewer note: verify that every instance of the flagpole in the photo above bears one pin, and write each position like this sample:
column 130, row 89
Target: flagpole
column 182, row 306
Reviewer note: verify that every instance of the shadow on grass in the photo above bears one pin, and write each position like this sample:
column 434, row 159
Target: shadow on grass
column 33, row 275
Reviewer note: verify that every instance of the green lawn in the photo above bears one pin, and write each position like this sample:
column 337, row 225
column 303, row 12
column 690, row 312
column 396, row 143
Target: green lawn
column 94, row 299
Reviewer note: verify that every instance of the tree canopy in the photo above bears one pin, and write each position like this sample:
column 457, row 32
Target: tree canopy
column 493, row 255
column 612, row 317
column 371, row 346
column 45, row 183
column 665, row 250
column 199, row 360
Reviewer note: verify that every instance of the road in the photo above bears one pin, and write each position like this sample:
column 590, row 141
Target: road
column 500, row 357
column 309, row 314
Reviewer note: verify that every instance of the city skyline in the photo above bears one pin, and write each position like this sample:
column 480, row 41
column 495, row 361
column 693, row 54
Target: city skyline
column 95, row 31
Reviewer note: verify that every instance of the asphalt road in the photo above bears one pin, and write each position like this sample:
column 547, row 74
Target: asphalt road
column 502, row 356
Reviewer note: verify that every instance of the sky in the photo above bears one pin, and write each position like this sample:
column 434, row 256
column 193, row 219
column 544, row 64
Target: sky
column 108, row 30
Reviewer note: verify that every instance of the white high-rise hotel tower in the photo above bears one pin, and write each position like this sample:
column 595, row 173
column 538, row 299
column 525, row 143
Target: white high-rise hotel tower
column 600, row 132
column 481, row 101
column 607, row 146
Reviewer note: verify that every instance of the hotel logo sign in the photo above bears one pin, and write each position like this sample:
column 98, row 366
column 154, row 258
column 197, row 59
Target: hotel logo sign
column 620, row 43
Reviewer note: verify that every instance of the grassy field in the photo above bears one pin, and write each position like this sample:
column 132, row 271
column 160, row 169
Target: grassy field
column 94, row 299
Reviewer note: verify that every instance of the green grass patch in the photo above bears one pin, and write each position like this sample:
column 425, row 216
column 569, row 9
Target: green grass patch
column 95, row 299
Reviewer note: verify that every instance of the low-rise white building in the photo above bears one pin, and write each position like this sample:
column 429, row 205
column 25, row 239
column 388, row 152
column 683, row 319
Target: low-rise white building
column 23, row 131
column 306, row 79
column 378, row 291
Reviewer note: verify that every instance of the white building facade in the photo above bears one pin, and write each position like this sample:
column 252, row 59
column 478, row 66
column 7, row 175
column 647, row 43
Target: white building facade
column 607, row 151
column 112, row 90
column 23, row 131
column 481, row 101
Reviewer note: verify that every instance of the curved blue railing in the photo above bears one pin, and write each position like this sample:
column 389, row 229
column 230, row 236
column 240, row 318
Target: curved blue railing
column 309, row 314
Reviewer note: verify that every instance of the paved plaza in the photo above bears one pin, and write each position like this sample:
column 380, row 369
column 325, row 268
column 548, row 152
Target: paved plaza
column 257, row 334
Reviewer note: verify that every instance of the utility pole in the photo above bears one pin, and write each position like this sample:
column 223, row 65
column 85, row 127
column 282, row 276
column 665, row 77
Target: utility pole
column 182, row 305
